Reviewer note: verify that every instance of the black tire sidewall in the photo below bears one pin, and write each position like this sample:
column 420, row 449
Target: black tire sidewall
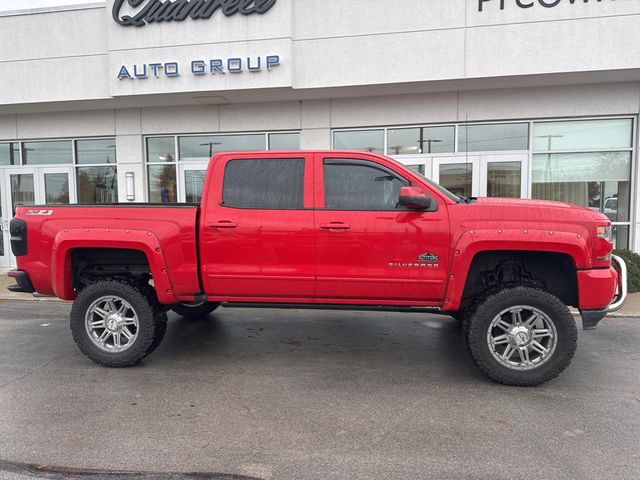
column 146, row 323
column 567, row 335
column 199, row 311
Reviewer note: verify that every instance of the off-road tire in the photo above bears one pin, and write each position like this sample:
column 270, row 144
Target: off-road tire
column 480, row 320
column 199, row 311
column 149, row 326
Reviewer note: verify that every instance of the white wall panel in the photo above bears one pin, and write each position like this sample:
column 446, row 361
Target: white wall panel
column 188, row 119
column 66, row 124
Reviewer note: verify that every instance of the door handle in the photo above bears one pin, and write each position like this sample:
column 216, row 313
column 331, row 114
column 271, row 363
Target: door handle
column 335, row 226
column 223, row 224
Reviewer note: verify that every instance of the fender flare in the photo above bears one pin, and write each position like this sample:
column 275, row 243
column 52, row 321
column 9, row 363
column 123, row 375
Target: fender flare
column 145, row 241
column 473, row 242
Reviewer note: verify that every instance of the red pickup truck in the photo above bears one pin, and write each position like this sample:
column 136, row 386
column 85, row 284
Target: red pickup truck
column 327, row 229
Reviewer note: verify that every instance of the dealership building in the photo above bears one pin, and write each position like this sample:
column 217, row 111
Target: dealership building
column 126, row 101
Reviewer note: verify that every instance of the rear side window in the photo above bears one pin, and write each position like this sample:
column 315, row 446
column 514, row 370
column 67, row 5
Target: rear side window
column 360, row 185
column 269, row 183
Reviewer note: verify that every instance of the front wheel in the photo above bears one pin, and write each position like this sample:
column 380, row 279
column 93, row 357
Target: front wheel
column 195, row 310
column 522, row 336
column 115, row 324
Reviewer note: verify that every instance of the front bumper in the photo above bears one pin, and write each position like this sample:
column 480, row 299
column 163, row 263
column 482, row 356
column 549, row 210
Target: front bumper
column 23, row 282
column 591, row 317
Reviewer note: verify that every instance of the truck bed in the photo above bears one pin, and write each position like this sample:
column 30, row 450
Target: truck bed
column 171, row 228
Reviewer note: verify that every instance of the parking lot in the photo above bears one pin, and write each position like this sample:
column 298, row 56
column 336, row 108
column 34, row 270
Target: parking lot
column 298, row 394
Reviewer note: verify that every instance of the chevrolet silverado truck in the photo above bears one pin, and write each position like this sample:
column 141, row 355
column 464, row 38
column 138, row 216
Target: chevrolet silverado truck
column 332, row 230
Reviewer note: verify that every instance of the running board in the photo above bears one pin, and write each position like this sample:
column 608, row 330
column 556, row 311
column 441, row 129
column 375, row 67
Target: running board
column 318, row 306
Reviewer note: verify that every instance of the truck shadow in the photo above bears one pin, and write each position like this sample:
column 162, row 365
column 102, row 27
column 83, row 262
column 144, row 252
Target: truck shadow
column 314, row 339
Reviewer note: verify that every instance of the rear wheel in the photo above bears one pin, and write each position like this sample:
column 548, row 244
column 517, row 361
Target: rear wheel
column 522, row 336
column 114, row 323
column 195, row 310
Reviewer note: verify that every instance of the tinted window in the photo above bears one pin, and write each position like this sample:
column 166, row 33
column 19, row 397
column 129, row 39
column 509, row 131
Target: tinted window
column 96, row 151
column 360, row 186
column 276, row 184
column 44, row 153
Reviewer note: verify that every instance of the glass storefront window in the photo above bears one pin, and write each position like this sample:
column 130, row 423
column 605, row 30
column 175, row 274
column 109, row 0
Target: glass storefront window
column 162, row 184
column 457, row 178
column 366, row 140
column 90, row 152
column 9, row 154
column 600, row 181
column 493, row 138
column 97, row 185
column 161, row 149
column 583, row 135
column 284, row 141
column 411, row 141
column 47, row 153
column 203, row 148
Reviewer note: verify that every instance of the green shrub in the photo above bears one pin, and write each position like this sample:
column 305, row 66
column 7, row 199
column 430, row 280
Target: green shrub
column 633, row 267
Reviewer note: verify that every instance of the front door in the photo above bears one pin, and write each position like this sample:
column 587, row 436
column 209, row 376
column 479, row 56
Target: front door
column 368, row 247
column 256, row 233
column 503, row 175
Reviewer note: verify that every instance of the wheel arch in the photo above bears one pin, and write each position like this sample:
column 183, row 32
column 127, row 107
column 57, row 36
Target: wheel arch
column 561, row 253
column 71, row 245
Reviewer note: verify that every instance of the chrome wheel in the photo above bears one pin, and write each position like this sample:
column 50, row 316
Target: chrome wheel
column 112, row 324
column 522, row 337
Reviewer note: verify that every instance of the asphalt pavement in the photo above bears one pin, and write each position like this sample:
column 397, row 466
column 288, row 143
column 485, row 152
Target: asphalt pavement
column 275, row 394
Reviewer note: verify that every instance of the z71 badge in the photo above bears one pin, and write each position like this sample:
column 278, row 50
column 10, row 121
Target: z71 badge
column 428, row 257
column 40, row 212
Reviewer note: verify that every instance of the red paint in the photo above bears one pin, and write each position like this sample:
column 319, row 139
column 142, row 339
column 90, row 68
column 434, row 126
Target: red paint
column 315, row 255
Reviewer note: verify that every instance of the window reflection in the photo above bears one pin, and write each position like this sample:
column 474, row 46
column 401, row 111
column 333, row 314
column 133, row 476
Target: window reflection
column 492, row 138
column 47, row 153
column 583, row 135
column 97, row 185
column 203, row 148
column 96, row 151
column 161, row 149
column 9, row 154
column 56, row 188
column 162, row 184
column 411, row 141
column 365, row 140
column 284, row 141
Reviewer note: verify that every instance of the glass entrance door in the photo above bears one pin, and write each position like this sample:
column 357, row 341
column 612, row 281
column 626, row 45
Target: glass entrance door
column 32, row 186
column 503, row 175
column 191, row 182
column 460, row 175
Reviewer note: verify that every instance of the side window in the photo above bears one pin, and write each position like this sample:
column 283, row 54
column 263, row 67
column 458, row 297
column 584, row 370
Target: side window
column 268, row 183
column 360, row 185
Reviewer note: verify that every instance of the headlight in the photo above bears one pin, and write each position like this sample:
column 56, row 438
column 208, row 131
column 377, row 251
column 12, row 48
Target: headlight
column 605, row 232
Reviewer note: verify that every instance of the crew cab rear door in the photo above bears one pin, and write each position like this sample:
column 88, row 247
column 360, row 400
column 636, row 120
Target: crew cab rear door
column 256, row 233
column 368, row 247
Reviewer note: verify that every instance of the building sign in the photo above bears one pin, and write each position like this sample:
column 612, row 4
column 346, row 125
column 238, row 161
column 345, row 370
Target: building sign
column 155, row 11
column 217, row 66
column 502, row 4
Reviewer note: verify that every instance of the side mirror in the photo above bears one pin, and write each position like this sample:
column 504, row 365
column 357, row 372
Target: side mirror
column 414, row 198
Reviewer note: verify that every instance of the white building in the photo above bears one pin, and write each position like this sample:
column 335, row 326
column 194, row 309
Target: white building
column 531, row 98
